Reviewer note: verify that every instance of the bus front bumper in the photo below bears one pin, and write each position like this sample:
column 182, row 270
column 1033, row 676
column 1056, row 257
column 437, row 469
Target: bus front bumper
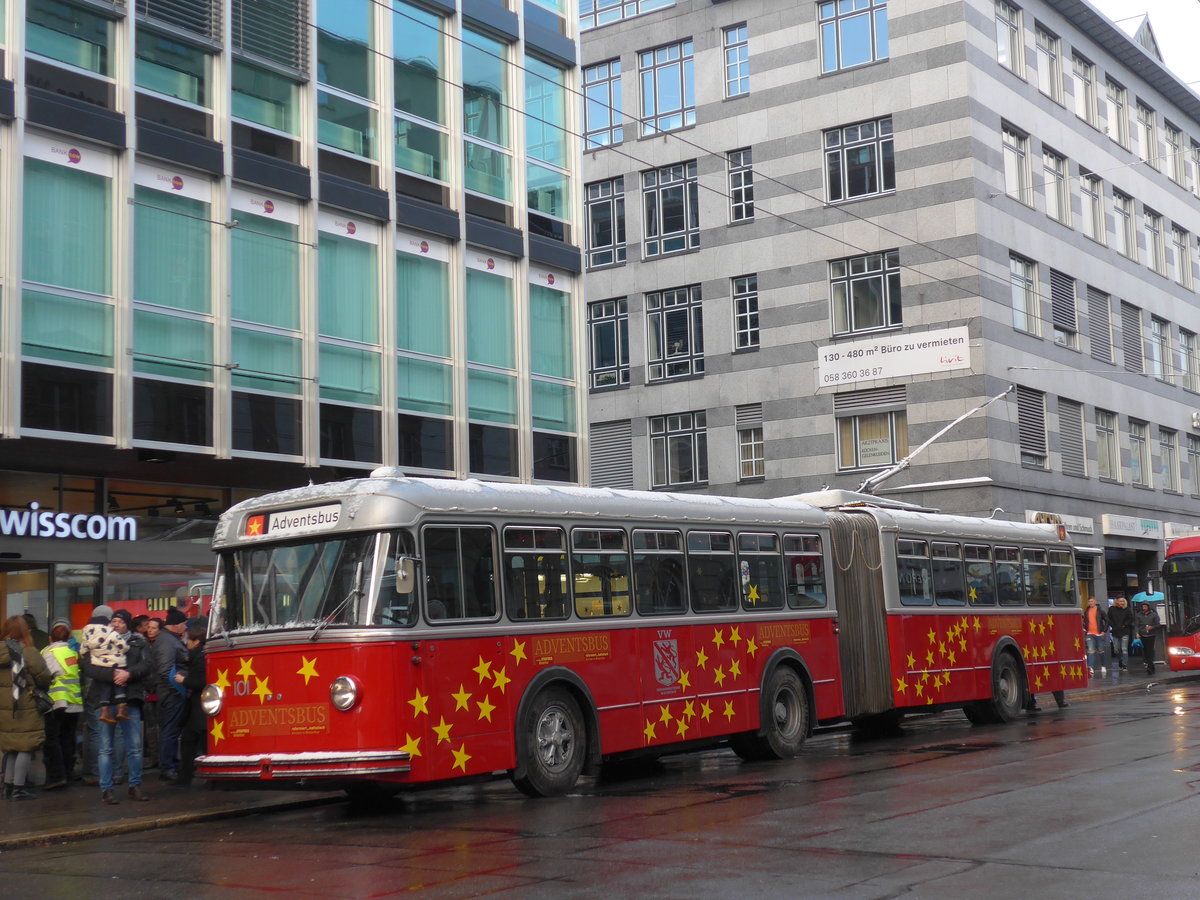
column 265, row 767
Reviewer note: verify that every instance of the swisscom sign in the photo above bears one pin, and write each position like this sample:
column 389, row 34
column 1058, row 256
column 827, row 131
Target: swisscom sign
column 35, row 522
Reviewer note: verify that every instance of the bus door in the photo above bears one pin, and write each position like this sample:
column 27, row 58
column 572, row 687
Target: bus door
column 862, row 616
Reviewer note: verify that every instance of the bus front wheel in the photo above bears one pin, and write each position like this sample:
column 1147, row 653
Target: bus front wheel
column 1008, row 694
column 551, row 744
column 785, row 725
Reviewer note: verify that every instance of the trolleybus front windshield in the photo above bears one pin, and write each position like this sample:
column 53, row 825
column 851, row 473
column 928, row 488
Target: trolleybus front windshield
column 1182, row 579
column 300, row 584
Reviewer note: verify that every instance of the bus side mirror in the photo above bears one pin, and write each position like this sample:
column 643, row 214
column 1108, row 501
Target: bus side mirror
column 405, row 574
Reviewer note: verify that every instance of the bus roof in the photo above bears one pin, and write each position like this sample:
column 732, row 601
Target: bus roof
column 404, row 499
column 1190, row 544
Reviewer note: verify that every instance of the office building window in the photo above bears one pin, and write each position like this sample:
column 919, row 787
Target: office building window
column 1017, row 181
column 594, row 13
column 1158, row 349
column 265, row 98
column 859, row 160
column 1108, row 450
column 547, row 183
column 751, row 455
column 853, row 33
column 1031, row 426
column 865, row 292
column 1117, row 123
column 420, row 75
column 674, row 333
column 1100, row 331
column 70, row 33
column 668, row 91
column 1062, row 309
column 1131, row 338
column 1193, row 458
column 1022, row 275
column 1156, row 251
column 1071, row 439
column 608, row 325
column 1139, row 453
column 740, row 165
column 1181, row 258
column 1049, row 64
column 1084, row 77
column 1010, row 51
column 745, row 312
column 486, row 105
column 552, row 388
column 1058, row 196
column 1168, row 460
column 871, row 440
column 672, row 209
column 171, row 67
column 606, row 222
column 1176, row 158
column 346, row 113
column 1147, row 134
column 1189, row 361
column 737, row 60
column 602, row 118
column 679, row 450
column 1126, row 237
column 1091, row 206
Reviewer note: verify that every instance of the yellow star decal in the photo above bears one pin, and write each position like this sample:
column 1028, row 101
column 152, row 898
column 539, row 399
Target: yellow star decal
column 912, row 662
column 1076, row 643
column 976, row 624
column 308, row 669
column 411, row 746
column 485, row 708
column 1041, row 627
column 681, row 726
column 951, row 657
column 973, row 595
column 689, row 709
column 937, row 681
column 942, row 649
column 701, row 659
column 929, row 700
column 945, row 679
column 752, row 594
column 962, row 643
column 501, row 679
column 460, row 758
column 751, row 647
column 461, row 698
column 735, row 635
column 929, row 658
column 261, row 689
column 648, row 731
column 218, row 732
column 419, row 703
column 924, row 677
column 920, row 689
column 932, row 635
column 1052, row 646
column 705, row 710
column 665, row 717
column 729, row 713
column 684, row 681
column 222, row 678
column 901, row 685
column 735, row 669
column 719, row 637
column 1037, row 682
column 719, row 676
column 483, row 670
column 247, row 669
column 442, row 730
column 518, row 651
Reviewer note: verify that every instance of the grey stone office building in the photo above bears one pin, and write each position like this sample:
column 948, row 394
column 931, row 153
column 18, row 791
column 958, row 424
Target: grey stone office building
column 821, row 231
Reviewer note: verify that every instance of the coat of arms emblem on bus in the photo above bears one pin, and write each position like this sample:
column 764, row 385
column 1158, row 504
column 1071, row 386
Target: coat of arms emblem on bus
column 666, row 662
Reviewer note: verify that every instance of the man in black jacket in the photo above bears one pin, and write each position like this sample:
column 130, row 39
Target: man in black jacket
column 1120, row 617
column 137, row 677
column 171, row 658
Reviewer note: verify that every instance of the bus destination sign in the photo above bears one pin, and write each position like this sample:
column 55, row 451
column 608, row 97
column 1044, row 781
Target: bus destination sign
column 293, row 521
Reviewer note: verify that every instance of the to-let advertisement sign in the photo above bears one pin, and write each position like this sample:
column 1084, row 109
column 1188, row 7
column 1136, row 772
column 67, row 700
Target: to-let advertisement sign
column 893, row 356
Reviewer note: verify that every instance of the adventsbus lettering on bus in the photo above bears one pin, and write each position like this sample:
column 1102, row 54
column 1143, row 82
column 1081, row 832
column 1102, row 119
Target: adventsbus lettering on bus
column 391, row 632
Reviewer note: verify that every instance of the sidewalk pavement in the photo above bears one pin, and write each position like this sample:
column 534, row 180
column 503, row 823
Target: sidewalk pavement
column 75, row 812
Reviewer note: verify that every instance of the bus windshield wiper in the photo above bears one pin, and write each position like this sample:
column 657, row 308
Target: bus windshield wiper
column 355, row 591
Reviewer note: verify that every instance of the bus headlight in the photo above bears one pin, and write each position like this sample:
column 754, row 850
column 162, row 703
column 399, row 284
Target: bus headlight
column 211, row 699
column 343, row 692
column 1182, row 651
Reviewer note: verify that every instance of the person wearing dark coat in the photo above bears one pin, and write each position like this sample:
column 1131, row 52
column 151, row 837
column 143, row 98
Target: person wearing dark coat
column 138, row 676
column 1120, row 619
column 21, row 728
column 1146, row 624
column 195, row 724
column 170, row 659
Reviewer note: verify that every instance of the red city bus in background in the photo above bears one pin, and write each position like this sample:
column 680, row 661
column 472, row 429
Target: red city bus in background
column 390, row 631
column 1181, row 584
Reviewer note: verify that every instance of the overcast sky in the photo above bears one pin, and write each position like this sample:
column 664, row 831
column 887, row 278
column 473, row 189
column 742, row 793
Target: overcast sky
column 1176, row 24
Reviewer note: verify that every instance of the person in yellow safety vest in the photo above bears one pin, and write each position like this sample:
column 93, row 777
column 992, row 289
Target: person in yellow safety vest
column 63, row 720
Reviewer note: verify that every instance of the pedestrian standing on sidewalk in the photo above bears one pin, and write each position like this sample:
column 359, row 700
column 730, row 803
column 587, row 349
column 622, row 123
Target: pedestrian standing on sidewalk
column 21, row 731
column 62, row 722
column 1095, row 626
column 138, row 673
column 193, row 736
column 1120, row 617
column 1146, row 622
column 171, row 659
column 149, row 628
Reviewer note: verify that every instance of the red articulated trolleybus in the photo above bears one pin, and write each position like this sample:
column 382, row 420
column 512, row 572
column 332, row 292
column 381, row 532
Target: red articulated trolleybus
column 1181, row 584
column 393, row 631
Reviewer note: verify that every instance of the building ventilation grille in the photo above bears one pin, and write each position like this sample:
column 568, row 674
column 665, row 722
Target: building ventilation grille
column 612, row 454
column 273, row 30
column 199, row 17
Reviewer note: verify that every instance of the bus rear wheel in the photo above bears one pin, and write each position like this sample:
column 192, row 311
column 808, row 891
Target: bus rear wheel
column 1008, row 694
column 551, row 744
column 785, row 725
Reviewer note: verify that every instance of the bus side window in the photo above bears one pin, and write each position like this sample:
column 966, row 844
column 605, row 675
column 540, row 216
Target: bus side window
column 981, row 577
column 1037, row 576
column 712, row 571
column 948, row 575
column 1008, row 577
column 600, row 572
column 804, row 565
column 659, row 580
column 1062, row 578
column 913, row 574
column 760, row 570
column 459, row 571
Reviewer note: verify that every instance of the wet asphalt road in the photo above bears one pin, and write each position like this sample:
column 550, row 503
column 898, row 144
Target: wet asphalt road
column 1096, row 801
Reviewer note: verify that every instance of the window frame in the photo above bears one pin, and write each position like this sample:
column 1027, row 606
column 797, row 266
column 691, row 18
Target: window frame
column 739, row 165
column 835, row 21
column 657, row 184
column 689, row 428
column 664, row 310
column 735, row 40
column 840, row 143
column 663, row 70
column 610, row 194
column 744, row 290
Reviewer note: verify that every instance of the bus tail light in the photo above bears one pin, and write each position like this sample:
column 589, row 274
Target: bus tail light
column 212, row 698
column 343, row 692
